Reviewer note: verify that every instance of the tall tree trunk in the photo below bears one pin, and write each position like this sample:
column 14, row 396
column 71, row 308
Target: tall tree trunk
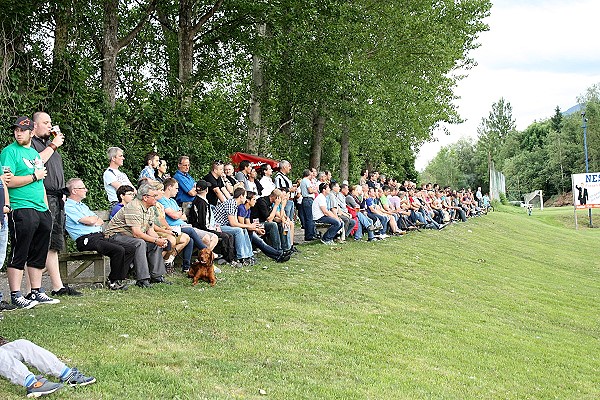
column 110, row 49
column 345, row 153
column 111, row 45
column 63, row 13
column 186, row 47
column 188, row 29
column 171, row 48
column 255, row 127
column 316, row 145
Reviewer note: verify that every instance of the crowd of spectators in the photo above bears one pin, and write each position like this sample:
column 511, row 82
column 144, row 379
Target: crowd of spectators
column 161, row 219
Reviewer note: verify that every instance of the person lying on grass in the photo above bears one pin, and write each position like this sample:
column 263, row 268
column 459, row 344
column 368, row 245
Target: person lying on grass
column 12, row 367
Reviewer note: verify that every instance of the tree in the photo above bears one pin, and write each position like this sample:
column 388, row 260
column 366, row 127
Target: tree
column 492, row 132
column 111, row 45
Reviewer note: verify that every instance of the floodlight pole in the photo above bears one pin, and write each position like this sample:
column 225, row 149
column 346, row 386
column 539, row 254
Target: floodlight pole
column 585, row 150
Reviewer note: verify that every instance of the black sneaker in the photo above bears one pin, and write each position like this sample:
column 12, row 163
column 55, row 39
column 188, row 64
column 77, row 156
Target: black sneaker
column 283, row 258
column 160, row 279
column 4, row 306
column 66, row 291
column 294, row 249
column 41, row 297
column 117, row 285
column 144, row 284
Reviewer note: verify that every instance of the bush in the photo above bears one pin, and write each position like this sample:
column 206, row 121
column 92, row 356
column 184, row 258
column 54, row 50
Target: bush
column 503, row 199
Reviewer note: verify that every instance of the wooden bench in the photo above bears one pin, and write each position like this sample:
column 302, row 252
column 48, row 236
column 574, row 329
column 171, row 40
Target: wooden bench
column 73, row 264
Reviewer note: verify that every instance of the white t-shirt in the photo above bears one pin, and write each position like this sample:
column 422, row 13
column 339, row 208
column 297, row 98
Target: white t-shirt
column 267, row 185
column 114, row 175
column 320, row 201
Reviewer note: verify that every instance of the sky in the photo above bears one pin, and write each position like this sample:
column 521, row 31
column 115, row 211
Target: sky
column 537, row 54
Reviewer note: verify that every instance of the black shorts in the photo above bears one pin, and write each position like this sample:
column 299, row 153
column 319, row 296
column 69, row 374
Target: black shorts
column 57, row 239
column 29, row 238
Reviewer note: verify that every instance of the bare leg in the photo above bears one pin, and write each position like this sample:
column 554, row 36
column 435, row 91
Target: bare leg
column 53, row 272
column 35, row 277
column 15, row 277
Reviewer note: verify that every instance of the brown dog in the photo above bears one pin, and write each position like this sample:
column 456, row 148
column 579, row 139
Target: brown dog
column 203, row 269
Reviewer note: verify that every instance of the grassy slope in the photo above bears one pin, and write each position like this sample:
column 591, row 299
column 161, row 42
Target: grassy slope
column 504, row 306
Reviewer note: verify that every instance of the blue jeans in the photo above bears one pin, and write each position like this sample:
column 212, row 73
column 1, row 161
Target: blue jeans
column 309, row 224
column 383, row 219
column 265, row 248
column 364, row 222
column 289, row 209
column 243, row 247
column 191, row 232
column 416, row 216
column 334, row 226
column 272, row 233
column 3, row 241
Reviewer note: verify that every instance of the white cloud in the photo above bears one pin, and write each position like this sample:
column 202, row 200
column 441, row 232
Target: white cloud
column 537, row 55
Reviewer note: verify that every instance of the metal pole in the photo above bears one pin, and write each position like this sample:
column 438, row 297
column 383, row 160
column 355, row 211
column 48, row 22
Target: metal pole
column 587, row 166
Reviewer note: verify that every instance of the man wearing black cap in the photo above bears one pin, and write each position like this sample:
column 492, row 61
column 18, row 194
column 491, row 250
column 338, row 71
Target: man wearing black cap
column 30, row 222
column 55, row 186
column 201, row 217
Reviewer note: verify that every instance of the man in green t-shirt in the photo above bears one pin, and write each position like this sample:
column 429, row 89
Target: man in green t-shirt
column 30, row 222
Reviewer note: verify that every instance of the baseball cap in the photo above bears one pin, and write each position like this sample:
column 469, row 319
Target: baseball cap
column 202, row 184
column 24, row 123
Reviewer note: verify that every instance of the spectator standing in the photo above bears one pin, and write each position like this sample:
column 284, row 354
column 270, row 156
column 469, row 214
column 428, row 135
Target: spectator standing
column 282, row 181
column 54, row 183
column 306, row 216
column 30, row 220
column 5, row 201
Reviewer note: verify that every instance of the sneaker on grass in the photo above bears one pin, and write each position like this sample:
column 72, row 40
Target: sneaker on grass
column 19, row 301
column 117, row 285
column 66, row 291
column 328, row 242
column 76, row 378
column 41, row 297
column 4, row 306
column 42, row 387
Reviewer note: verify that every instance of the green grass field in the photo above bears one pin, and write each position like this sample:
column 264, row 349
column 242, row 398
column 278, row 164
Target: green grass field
column 501, row 307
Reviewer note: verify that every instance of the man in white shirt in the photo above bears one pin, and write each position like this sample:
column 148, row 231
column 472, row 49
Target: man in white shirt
column 113, row 178
column 321, row 213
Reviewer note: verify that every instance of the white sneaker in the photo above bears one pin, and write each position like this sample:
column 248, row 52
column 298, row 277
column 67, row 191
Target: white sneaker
column 41, row 297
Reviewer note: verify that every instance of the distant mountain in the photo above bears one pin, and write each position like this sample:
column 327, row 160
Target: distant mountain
column 575, row 109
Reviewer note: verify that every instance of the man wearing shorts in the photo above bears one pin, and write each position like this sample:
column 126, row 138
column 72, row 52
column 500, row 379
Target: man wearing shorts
column 30, row 222
column 54, row 184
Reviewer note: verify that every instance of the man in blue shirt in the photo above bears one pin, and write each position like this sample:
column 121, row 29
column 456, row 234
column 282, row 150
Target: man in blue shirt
column 187, row 184
column 85, row 228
